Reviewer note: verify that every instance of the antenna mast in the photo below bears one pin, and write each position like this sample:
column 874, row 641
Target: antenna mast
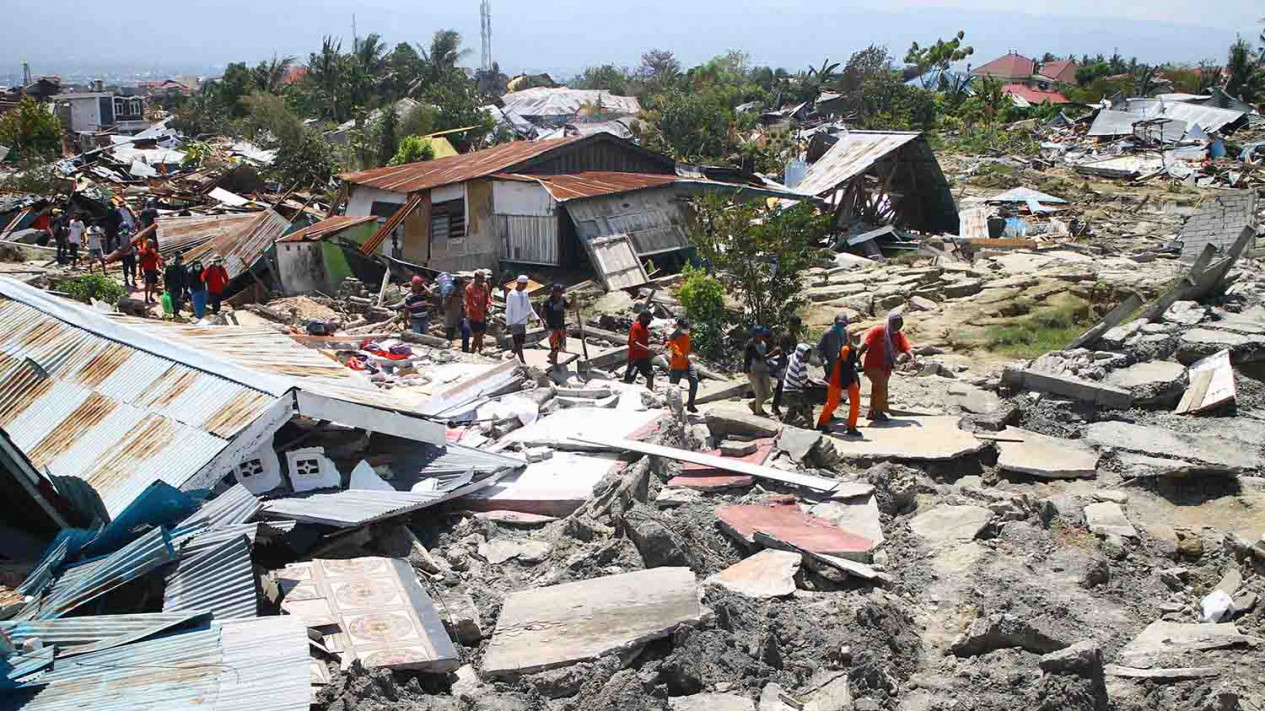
column 485, row 15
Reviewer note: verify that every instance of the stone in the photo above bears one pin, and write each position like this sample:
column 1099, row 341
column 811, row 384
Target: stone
column 468, row 686
column 1157, row 383
column 785, row 522
column 1003, row 631
column 670, row 497
column 1230, row 582
column 501, row 550
column 1174, row 578
column 798, row 442
column 1083, row 659
column 851, row 490
column 1046, row 457
column 960, row 289
column 771, row 699
column 1163, row 639
column 1112, row 495
column 834, row 695
column 862, row 518
column 950, row 524
column 1141, row 466
column 460, row 616
column 1214, row 453
column 549, row 627
column 1185, row 313
column 1115, row 338
column 737, row 449
column 769, row 573
column 1245, row 603
column 727, row 420
column 711, row 702
column 1199, row 343
column 912, row 438
column 1107, row 519
column 658, row 544
column 538, row 454
column 922, row 303
column 1189, row 543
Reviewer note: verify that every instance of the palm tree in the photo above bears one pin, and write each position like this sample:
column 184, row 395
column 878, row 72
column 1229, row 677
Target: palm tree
column 826, row 73
column 442, row 56
column 275, row 71
column 369, row 54
column 326, row 70
column 1245, row 72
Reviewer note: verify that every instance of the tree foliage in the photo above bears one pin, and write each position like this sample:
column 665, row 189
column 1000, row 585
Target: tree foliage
column 31, row 130
column 703, row 298
column 413, row 149
column 940, row 55
column 1246, row 79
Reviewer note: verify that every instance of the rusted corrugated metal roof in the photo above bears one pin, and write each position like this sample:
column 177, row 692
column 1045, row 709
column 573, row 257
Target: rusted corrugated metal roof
column 850, row 157
column 177, row 234
column 240, row 249
column 456, row 169
column 326, row 228
column 594, row 184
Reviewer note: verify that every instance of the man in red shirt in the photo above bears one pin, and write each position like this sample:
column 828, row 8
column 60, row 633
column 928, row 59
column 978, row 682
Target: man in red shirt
column 478, row 297
column 216, row 278
column 150, row 262
column 639, row 353
column 883, row 347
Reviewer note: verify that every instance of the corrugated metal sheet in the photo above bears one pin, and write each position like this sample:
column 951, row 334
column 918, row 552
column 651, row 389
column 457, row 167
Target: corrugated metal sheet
column 1120, row 123
column 178, row 234
column 414, row 177
column 266, row 664
column 595, row 183
column 528, row 239
column 84, row 635
column 326, row 228
column 654, row 220
column 240, row 249
column 851, row 156
column 543, row 102
column 235, row 506
column 202, row 540
column 18, row 667
column 220, row 579
column 90, row 580
column 616, row 262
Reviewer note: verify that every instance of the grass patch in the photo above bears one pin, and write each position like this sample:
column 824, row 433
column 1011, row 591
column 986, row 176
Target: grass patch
column 87, row 287
column 1049, row 329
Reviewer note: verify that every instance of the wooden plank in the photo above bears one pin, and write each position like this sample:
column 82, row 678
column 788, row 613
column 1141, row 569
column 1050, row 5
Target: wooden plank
column 1178, row 291
column 730, row 464
column 1195, row 392
column 555, row 626
column 1211, row 385
column 1114, row 318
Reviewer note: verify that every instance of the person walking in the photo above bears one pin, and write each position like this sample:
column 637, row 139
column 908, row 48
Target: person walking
column 785, row 347
column 127, row 258
column 478, row 298
column 832, row 342
column 113, row 221
column 843, row 376
column 755, row 363
column 196, row 284
column 794, row 387
column 680, row 362
column 639, row 353
column 216, row 278
column 74, row 237
column 556, row 321
column 175, row 277
column 58, row 225
column 453, row 305
column 519, row 314
column 883, row 348
column 417, row 305
column 150, row 262
column 96, row 247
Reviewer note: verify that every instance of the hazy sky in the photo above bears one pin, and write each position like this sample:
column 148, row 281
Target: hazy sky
column 566, row 35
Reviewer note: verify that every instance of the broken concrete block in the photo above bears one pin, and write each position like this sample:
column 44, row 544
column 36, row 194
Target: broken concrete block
column 769, row 573
column 773, row 698
column 726, row 420
column 912, row 438
column 1066, row 386
column 1199, row 343
column 461, row 617
column 737, row 449
column 950, row 524
column 658, row 544
column 1157, row 383
column 1046, row 457
column 676, row 496
column 1083, row 659
column 711, row 702
column 922, row 303
column 364, row 477
column 787, row 523
column 1217, row 454
column 310, row 469
column 502, row 550
column 1003, row 631
column 1230, row 582
column 798, row 442
column 1140, row 466
column 960, row 289
column 538, row 454
column 1107, row 519
column 554, row 626
column 834, row 695
column 1163, row 639
column 860, row 517
column 1185, row 313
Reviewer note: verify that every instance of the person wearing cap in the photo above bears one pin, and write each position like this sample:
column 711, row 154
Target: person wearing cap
column 216, row 278
column 680, row 364
column 174, row 278
column 786, row 345
column 477, row 299
column 519, row 314
column 883, row 348
column 755, row 363
column 843, row 376
column 794, row 386
column 556, row 321
column 639, row 353
column 417, row 305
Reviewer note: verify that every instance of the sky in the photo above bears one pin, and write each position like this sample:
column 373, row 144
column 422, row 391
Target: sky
column 564, row 36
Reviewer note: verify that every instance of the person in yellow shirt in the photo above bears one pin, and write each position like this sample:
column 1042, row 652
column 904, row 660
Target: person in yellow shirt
column 679, row 362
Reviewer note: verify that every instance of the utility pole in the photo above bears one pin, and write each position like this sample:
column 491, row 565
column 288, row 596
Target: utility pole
column 354, row 37
column 485, row 16
column 26, row 74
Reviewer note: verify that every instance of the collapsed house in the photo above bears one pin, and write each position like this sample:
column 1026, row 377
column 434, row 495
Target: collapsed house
column 546, row 107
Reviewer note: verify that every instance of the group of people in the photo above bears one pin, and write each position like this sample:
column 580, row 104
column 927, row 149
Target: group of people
column 781, row 372
column 197, row 284
column 80, row 236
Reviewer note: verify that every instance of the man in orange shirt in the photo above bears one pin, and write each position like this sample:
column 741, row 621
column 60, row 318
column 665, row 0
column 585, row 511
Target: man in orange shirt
column 884, row 346
column 639, row 353
column 679, row 364
column 478, row 298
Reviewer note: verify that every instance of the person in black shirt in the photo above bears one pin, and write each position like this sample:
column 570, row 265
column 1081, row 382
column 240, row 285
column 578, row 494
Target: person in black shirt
column 175, row 279
column 113, row 220
column 556, row 321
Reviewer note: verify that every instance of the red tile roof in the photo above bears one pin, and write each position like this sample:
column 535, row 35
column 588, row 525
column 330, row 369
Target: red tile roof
column 1035, row 96
column 455, row 169
column 1061, row 71
column 1011, row 66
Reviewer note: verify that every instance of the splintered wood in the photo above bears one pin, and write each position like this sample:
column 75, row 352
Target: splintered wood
column 1211, row 385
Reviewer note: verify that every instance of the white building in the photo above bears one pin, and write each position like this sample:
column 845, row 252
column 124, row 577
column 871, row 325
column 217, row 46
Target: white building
column 102, row 110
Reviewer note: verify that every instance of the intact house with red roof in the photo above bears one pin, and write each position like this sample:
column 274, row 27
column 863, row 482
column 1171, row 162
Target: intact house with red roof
column 1030, row 82
column 595, row 201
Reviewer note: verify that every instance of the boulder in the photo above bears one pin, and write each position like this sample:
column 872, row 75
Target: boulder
column 1003, row 631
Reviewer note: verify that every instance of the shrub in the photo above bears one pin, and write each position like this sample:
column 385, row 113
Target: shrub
column 87, row 287
column 703, row 298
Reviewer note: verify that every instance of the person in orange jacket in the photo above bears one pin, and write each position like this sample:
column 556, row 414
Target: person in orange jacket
column 679, row 364
column 216, row 278
column 843, row 376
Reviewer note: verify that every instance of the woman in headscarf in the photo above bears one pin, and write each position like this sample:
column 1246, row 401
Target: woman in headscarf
column 842, row 376
column 883, row 347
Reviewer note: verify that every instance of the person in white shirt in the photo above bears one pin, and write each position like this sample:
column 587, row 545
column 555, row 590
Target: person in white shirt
column 74, row 236
column 518, row 313
column 96, row 246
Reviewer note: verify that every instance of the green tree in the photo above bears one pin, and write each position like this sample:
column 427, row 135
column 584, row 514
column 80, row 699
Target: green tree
column 31, row 130
column 1244, row 67
column 269, row 76
column 388, row 139
column 616, row 80
column 328, row 78
column 939, row 56
column 413, row 149
column 439, row 61
column 765, row 251
column 703, row 298
column 201, row 114
column 269, row 120
column 303, row 161
column 238, row 81
column 460, row 106
column 694, row 126
column 403, row 69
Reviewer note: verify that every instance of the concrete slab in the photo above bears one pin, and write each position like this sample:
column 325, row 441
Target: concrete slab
column 555, row 487
column 1152, row 383
column 670, row 497
column 1162, row 639
column 514, row 518
column 862, row 517
column 1199, row 343
column 920, row 438
column 501, row 550
column 1106, row 518
column 384, row 617
column 1046, row 457
column 1107, row 396
column 733, row 419
column 769, row 573
column 554, row 626
column 786, row 522
column 798, row 442
column 1221, row 454
column 711, row 702
column 950, row 524
column 719, row 481
column 558, row 429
